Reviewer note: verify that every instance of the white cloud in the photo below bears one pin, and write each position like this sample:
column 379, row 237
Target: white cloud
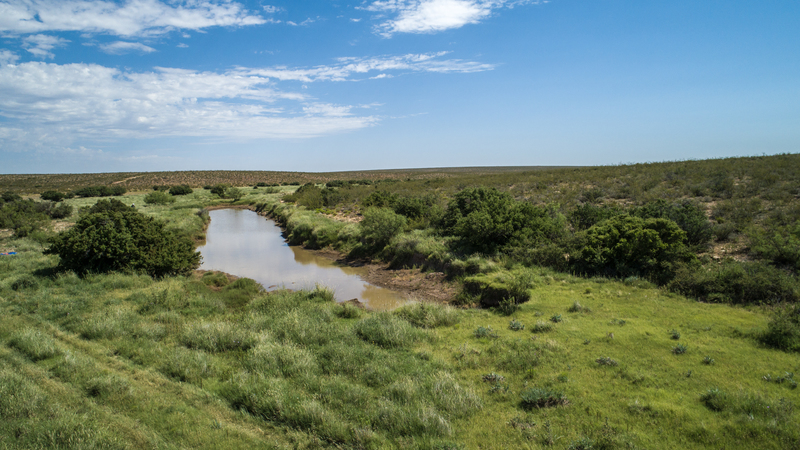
column 269, row 9
column 86, row 101
column 120, row 47
column 430, row 16
column 348, row 67
column 131, row 18
column 7, row 57
column 50, row 105
column 182, row 45
column 40, row 44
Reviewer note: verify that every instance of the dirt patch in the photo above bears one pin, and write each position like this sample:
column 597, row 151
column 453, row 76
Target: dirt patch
column 414, row 283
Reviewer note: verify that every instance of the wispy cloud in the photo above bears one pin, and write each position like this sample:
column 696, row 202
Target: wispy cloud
column 40, row 45
column 430, row 16
column 95, row 102
column 7, row 57
column 347, row 68
column 131, row 18
column 121, row 47
column 50, row 104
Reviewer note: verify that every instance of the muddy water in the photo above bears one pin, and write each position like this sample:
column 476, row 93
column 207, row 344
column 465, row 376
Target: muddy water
column 244, row 244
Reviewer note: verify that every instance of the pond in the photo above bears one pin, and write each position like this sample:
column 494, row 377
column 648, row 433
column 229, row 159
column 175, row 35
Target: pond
column 242, row 243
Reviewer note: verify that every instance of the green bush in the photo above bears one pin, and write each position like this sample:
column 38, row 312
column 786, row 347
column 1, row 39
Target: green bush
column 486, row 219
column 123, row 240
column 100, row 191
column 779, row 245
column 626, row 245
column 219, row 189
column 54, row 196
column 687, row 214
column 586, row 215
column 233, row 193
column 379, row 226
column 158, row 198
column 783, row 330
column 735, row 282
column 182, row 189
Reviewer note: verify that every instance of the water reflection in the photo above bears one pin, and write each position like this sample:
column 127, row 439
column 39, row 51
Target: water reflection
column 244, row 244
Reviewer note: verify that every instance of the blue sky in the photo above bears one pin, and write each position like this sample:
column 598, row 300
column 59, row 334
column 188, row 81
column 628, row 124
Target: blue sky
column 145, row 85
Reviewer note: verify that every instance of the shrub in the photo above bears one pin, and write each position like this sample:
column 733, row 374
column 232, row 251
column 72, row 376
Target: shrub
column 380, row 225
column 543, row 398
column 783, row 330
column 233, row 193
column 54, row 196
column 586, row 215
column 486, row 219
column 219, row 189
column 674, row 334
column 556, row 318
column 100, row 191
column 780, row 245
column 158, row 198
column 515, row 325
column 735, row 282
column 626, row 245
column 483, row 332
column 183, row 189
column 123, row 240
column 688, row 215
column 679, row 349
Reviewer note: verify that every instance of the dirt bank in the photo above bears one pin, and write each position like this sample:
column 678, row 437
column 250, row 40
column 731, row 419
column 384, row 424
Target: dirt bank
column 430, row 286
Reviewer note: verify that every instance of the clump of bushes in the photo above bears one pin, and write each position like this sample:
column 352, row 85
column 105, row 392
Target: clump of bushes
column 115, row 237
column 735, row 282
column 100, row 191
column 379, row 226
column 158, row 198
column 783, row 330
column 626, row 245
column 182, row 189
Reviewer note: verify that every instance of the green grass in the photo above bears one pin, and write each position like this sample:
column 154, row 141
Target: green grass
column 141, row 362
column 126, row 361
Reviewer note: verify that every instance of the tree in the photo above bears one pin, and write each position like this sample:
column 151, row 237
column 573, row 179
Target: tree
column 114, row 240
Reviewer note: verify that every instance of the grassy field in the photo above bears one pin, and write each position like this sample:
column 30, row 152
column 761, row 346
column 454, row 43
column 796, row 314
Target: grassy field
column 130, row 362
column 126, row 361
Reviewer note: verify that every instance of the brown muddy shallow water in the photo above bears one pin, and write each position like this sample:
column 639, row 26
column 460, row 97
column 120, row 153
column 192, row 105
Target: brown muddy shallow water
column 242, row 243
